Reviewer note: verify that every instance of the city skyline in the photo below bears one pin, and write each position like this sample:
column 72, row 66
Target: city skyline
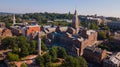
column 84, row 7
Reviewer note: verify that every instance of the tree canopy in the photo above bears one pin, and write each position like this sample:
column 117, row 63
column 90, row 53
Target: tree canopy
column 74, row 62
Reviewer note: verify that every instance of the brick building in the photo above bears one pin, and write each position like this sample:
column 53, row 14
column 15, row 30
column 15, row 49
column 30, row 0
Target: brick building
column 94, row 54
column 74, row 39
column 31, row 31
column 112, row 61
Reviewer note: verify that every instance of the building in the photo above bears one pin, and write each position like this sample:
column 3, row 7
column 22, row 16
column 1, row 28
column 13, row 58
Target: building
column 116, row 39
column 2, row 25
column 94, row 19
column 25, row 29
column 31, row 31
column 94, row 54
column 112, row 61
column 114, row 25
column 74, row 38
column 16, row 30
column 4, row 32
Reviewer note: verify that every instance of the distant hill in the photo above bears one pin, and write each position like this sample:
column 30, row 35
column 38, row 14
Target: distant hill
column 5, row 13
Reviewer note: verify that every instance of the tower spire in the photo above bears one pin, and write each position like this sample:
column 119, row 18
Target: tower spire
column 75, row 20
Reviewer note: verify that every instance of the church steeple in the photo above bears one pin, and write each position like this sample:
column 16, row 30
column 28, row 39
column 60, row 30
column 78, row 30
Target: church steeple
column 75, row 20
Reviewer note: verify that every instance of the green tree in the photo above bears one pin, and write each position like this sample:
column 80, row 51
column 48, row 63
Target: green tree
column 61, row 53
column 53, row 53
column 24, row 51
column 74, row 62
column 47, row 60
column 33, row 45
column 101, row 35
column 39, row 61
column 23, row 65
column 23, row 45
column 82, row 62
column 8, row 42
column 94, row 26
column 15, row 50
column 12, row 57
column 21, row 40
column 43, row 46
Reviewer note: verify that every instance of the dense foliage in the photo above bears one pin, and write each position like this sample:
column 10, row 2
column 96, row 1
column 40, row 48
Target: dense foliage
column 21, row 46
column 12, row 57
column 74, row 62
column 52, row 56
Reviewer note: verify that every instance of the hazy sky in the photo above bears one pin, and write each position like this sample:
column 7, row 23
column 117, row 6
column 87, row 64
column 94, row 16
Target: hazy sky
column 84, row 7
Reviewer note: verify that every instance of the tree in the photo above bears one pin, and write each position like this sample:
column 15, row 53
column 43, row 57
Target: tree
column 43, row 46
column 24, row 51
column 70, row 62
column 23, row 65
column 93, row 26
column 101, row 35
column 15, row 50
column 21, row 40
column 39, row 61
column 74, row 62
column 61, row 53
column 47, row 60
column 33, row 45
column 53, row 53
column 23, row 45
column 82, row 62
column 12, row 57
column 8, row 42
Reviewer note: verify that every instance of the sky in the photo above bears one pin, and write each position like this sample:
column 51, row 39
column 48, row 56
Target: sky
column 84, row 7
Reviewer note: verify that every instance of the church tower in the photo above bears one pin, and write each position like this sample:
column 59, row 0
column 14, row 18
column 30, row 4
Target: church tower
column 39, row 44
column 14, row 20
column 75, row 21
